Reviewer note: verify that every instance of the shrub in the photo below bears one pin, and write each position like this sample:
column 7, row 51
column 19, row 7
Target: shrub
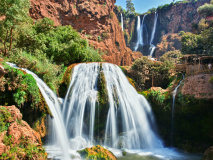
column 62, row 44
column 205, row 10
column 211, row 80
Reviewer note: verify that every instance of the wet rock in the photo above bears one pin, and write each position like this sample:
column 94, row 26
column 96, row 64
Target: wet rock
column 2, row 148
column 97, row 152
column 208, row 155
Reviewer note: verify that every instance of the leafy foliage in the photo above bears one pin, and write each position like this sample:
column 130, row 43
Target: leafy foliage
column 14, row 13
column 171, row 56
column 144, row 69
column 198, row 44
column 22, row 88
column 206, row 9
column 130, row 7
column 62, row 44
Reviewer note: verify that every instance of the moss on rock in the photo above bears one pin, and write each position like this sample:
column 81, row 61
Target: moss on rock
column 97, row 153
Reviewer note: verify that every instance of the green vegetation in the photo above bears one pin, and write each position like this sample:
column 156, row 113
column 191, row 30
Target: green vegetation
column 206, row 9
column 62, row 44
column 145, row 72
column 14, row 12
column 20, row 87
column 158, row 96
column 130, row 7
column 171, row 56
column 200, row 43
column 5, row 117
column 24, row 148
column 97, row 153
column 211, row 80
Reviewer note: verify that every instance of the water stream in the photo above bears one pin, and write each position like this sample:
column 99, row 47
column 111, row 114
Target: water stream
column 152, row 46
column 173, row 109
column 129, row 122
column 122, row 22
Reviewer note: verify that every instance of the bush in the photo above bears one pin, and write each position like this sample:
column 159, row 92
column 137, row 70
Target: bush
column 205, row 10
column 211, row 80
column 144, row 69
column 62, row 44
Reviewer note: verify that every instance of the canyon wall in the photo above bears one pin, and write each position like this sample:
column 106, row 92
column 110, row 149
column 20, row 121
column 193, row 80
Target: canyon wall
column 94, row 20
column 172, row 18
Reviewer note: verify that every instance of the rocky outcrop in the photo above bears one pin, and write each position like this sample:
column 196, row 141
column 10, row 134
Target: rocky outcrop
column 97, row 152
column 95, row 20
column 17, row 138
column 169, row 42
column 198, row 86
column 208, row 155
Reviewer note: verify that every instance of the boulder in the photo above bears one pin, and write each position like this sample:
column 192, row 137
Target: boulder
column 97, row 152
column 208, row 155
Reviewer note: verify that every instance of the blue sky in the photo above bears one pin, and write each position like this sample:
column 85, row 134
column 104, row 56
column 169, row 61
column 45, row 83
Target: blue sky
column 142, row 6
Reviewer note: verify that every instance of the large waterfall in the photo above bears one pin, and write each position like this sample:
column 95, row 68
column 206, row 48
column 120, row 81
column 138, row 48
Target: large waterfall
column 152, row 46
column 125, row 121
column 129, row 115
column 140, row 34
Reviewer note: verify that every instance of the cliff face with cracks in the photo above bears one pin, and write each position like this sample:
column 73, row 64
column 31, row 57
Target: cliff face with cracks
column 94, row 20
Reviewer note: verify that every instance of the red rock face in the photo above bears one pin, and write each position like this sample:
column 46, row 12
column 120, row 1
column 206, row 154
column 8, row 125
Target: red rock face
column 18, row 130
column 198, row 86
column 95, row 20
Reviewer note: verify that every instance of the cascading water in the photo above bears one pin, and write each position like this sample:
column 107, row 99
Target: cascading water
column 152, row 46
column 139, row 33
column 122, row 22
column 54, row 106
column 80, row 103
column 173, row 109
column 129, row 123
column 129, row 113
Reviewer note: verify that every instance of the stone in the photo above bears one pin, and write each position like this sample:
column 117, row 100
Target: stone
column 208, row 155
column 2, row 148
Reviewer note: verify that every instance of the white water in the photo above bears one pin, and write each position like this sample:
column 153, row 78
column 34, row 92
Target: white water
column 139, row 33
column 152, row 46
column 154, row 28
column 173, row 109
column 52, row 101
column 129, row 120
column 122, row 22
column 80, row 103
column 132, row 115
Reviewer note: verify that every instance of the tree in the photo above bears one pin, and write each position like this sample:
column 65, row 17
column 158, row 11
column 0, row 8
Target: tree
column 130, row 7
column 14, row 11
column 206, row 9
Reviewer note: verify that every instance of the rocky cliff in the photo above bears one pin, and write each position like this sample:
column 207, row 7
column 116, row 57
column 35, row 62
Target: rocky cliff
column 94, row 20
column 17, row 139
column 172, row 18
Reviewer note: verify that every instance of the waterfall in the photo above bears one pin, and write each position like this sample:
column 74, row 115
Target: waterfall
column 80, row 104
column 129, row 115
column 173, row 109
column 54, row 106
column 122, row 22
column 152, row 46
column 140, row 33
column 154, row 28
